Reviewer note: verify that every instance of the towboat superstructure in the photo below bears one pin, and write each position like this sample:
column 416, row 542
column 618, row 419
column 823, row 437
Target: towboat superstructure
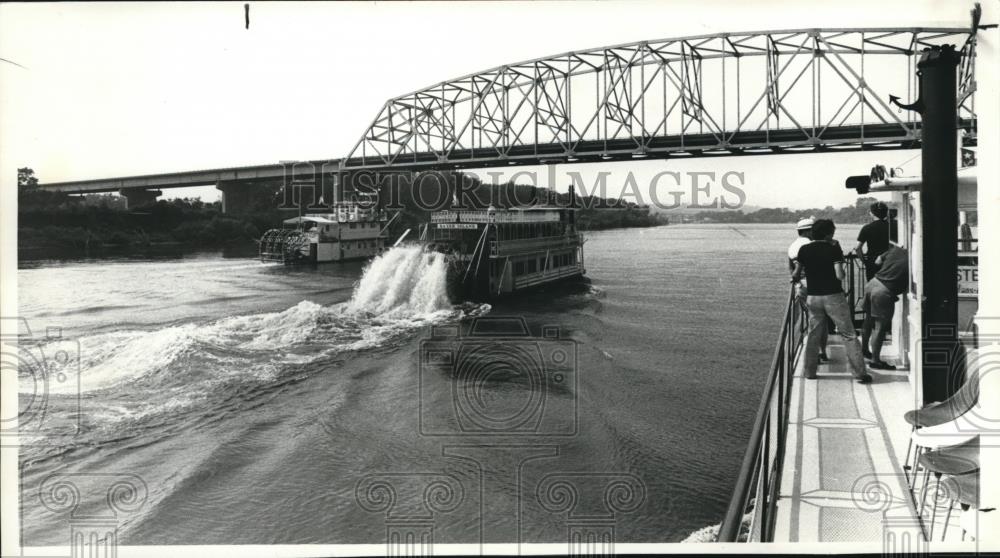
column 493, row 252
column 349, row 231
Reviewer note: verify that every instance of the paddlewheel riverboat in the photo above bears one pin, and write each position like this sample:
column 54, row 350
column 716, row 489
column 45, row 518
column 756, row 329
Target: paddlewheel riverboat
column 494, row 252
column 349, row 231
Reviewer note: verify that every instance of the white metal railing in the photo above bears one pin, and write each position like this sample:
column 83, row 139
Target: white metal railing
column 508, row 247
column 496, row 216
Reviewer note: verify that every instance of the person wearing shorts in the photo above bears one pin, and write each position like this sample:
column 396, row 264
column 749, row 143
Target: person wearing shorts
column 881, row 294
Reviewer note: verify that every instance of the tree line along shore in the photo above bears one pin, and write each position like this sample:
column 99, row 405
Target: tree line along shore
column 57, row 225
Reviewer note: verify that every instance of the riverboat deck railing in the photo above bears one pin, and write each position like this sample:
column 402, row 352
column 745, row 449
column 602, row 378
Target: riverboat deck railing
column 496, row 216
column 752, row 508
column 499, row 248
column 751, row 513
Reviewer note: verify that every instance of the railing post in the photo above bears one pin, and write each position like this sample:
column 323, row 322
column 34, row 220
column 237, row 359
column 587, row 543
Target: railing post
column 765, row 465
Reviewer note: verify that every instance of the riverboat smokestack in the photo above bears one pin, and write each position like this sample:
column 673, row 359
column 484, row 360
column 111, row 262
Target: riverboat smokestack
column 939, row 215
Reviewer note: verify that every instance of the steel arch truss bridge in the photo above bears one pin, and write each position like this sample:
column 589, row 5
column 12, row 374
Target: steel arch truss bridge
column 730, row 93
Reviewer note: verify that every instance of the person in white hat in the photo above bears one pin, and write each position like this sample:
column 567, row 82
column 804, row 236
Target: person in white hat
column 804, row 228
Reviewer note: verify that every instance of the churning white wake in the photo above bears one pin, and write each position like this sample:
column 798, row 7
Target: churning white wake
column 401, row 290
column 404, row 281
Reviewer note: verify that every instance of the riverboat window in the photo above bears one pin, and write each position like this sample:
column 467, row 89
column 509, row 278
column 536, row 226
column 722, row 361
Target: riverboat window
column 532, row 265
column 519, row 268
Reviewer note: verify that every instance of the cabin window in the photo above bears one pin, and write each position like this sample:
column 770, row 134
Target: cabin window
column 353, row 225
column 532, row 265
column 519, row 268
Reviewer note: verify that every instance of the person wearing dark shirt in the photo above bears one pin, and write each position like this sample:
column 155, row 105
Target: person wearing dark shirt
column 874, row 237
column 804, row 230
column 881, row 293
column 822, row 261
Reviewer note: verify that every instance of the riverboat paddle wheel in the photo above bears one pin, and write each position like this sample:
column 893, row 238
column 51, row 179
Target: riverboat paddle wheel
column 286, row 246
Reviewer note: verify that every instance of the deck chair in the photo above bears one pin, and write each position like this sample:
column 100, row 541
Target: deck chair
column 941, row 412
column 956, row 461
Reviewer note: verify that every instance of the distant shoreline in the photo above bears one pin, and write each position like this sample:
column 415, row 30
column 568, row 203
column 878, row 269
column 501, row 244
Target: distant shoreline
column 28, row 253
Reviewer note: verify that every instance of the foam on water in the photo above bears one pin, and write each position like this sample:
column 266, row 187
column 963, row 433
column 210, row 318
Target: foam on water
column 400, row 290
column 404, row 281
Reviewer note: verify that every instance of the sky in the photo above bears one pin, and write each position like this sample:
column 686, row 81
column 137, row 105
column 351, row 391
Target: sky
column 100, row 90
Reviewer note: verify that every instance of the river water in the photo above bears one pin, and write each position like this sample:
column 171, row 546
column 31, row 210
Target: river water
column 225, row 401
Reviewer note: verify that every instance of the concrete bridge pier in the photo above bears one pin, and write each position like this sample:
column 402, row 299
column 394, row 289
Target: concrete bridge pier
column 236, row 197
column 137, row 197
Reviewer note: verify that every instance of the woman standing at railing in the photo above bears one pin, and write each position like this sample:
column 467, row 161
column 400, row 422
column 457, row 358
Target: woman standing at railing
column 822, row 260
column 804, row 230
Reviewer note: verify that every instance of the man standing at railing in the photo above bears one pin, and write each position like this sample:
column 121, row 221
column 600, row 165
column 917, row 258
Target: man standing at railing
column 822, row 261
column 881, row 293
column 874, row 237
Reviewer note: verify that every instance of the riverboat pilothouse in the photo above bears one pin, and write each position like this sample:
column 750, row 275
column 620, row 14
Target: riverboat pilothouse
column 494, row 252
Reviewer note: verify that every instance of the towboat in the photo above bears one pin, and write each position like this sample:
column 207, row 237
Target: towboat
column 349, row 231
column 495, row 252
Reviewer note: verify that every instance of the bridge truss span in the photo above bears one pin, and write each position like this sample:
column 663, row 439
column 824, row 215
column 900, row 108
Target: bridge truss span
column 726, row 93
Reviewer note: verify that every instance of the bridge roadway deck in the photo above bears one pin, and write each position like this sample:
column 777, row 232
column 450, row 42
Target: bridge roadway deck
column 761, row 142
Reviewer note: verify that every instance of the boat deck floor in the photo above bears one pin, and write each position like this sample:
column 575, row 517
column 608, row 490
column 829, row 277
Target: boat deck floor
column 842, row 477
